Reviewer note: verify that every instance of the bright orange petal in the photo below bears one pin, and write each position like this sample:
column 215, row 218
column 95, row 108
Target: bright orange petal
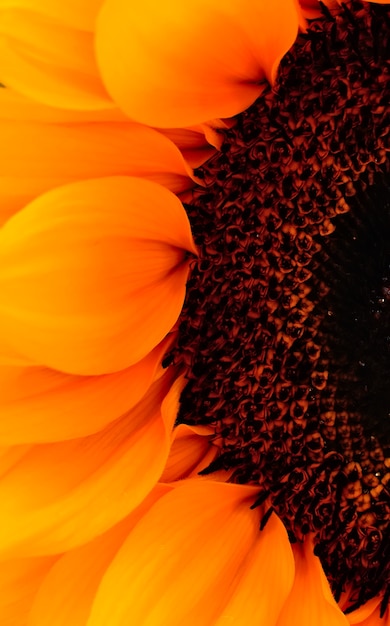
column 17, row 108
column 80, row 15
column 10, row 456
column 366, row 615
column 193, row 559
column 19, row 581
column 190, row 452
column 45, row 59
column 67, row 594
column 92, row 275
column 310, row 601
column 374, row 619
column 264, row 581
column 182, row 63
column 58, row 496
column 39, row 405
column 38, row 157
column 193, row 144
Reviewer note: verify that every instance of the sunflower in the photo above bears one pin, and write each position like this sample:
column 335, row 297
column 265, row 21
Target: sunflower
column 194, row 313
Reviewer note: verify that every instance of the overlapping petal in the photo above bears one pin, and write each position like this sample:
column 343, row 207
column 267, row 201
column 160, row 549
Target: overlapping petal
column 39, row 405
column 45, row 57
column 196, row 145
column 367, row 614
column 58, row 496
column 19, row 581
column 191, row 451
column 311, row 600
column 37, row 157
column 182, row 63
column 14, row 107
column 197, row 557
column 92, row 275
column 78, row 15
column 68, row 591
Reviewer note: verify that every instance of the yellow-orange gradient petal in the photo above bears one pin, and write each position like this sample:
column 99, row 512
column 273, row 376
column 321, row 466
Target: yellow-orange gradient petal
column 194, row 559
column 92, row 275
column 80, row 15
column 17, row 108
column 310, row 601
column 37, row 157
column 19, row 581
column 174, row 64
column 67, row 594
column 58, row 496
column 39, row 405
column 44, row 58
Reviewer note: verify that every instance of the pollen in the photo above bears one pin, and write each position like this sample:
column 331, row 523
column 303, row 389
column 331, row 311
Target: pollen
column 282, row 338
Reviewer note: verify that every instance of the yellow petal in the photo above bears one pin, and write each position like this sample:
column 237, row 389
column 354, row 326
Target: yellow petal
column 19, row 581
column 38, row 157
column 93, row 274
column 45, row 59
column 192, row 560
column 175, row 64
column 60, row 495
column 39, row 405
column 67, row 594
column 310, row 601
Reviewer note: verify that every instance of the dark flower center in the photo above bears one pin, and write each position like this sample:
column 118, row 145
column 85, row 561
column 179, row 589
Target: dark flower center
column 284, row 335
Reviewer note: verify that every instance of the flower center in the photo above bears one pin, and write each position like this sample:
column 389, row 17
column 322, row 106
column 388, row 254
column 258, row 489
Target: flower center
column 283, row 337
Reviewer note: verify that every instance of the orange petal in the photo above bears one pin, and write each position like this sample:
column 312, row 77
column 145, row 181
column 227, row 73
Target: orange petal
column 193, row 559
column 39, row 405
column 38, row 157
column 193, row 144
column 92, row 275
column 373, row 1
column 374, row 619
column 67, row 594
column 61, row 495
column 45, row 59
column 367, row 615
column 182, row 63
column 17, row 108
column 311, row 8
column 80, row 15
column 310, row 601
column 19, row 581
column 10, row 455
column 190, row 452
column 264, row 582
